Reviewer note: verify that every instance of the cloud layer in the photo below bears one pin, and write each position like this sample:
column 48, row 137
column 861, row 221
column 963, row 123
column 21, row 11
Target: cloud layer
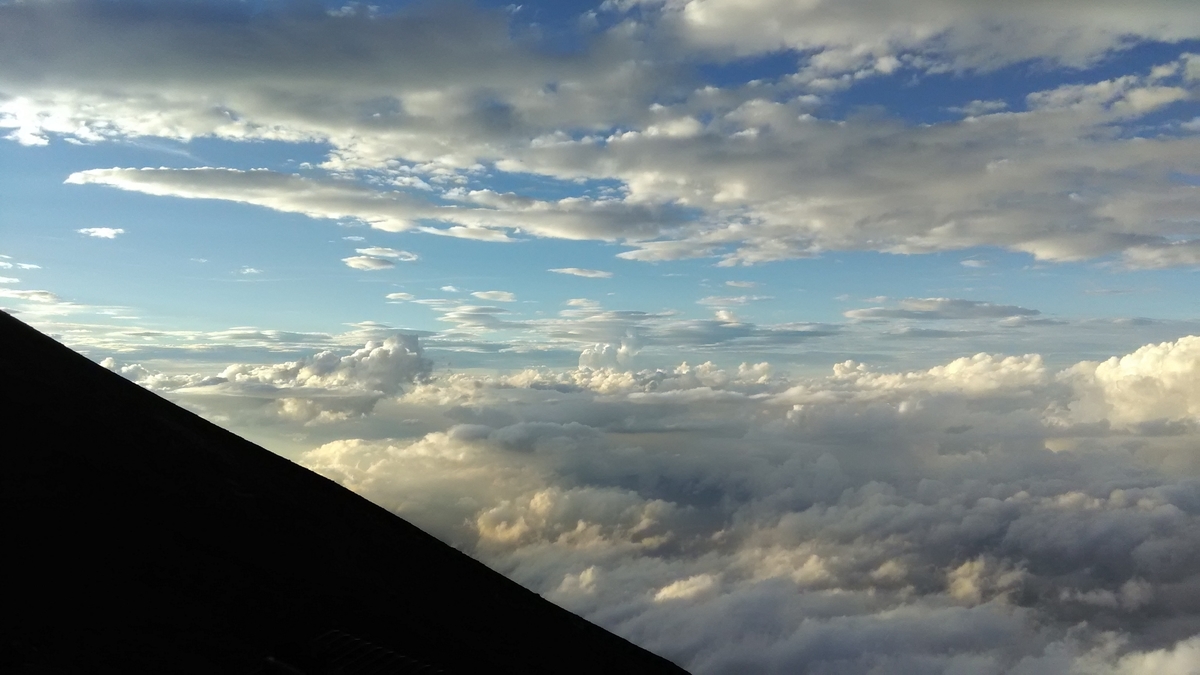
column 988, row 515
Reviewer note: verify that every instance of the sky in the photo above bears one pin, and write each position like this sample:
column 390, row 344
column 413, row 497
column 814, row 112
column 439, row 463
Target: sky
column 773, row 335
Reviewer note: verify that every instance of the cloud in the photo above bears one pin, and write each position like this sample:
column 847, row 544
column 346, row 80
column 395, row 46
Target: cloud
column 396, row 211
column 580, row 272
column 30, row 296
column 951, row 506
column 1166, row 254
column 868, row 37
column 749, row 174
column 937, row 309
column 249, row 270
column 725, row 301
column 378, row 366
column 495, row 296
column 400, row 296
column 988, row 514
column 742, row 284
column 9, row 280
column 101, row 232
column 685, row 589
column 381, row 252
column 369, row 263
column 1155, row 383
column 978, row 107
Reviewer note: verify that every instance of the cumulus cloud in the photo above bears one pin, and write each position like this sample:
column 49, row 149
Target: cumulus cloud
column 378, row 366
column 580, row 272
column 1155, row 383
column 318, row 389
column 101, row 232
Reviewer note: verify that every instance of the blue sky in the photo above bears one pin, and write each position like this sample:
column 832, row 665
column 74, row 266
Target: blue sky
column 663, row 271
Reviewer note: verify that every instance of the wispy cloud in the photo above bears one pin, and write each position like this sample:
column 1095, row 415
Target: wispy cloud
column 581, row 272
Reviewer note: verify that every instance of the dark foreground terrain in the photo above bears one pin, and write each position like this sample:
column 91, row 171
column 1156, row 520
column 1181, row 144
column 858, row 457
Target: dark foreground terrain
column 138, row 537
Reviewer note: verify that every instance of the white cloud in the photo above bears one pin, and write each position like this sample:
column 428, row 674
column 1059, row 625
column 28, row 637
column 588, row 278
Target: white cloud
column 249, row 271
column 1155, row 383
column 102, row 232
column 381, row 252
column 400, row 296
column 495, row 296
column 580, row 272
column 369, row 263
column 9, row 280
column 742, row 284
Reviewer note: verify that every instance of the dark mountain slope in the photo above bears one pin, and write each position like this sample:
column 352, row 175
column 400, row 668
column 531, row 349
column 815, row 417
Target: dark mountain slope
column 138, row 537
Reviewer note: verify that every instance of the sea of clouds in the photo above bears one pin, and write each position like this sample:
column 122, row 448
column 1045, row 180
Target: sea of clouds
column 988, row 515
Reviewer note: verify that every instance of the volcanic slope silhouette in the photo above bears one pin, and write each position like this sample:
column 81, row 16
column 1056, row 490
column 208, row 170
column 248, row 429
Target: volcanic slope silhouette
column 140, row 538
